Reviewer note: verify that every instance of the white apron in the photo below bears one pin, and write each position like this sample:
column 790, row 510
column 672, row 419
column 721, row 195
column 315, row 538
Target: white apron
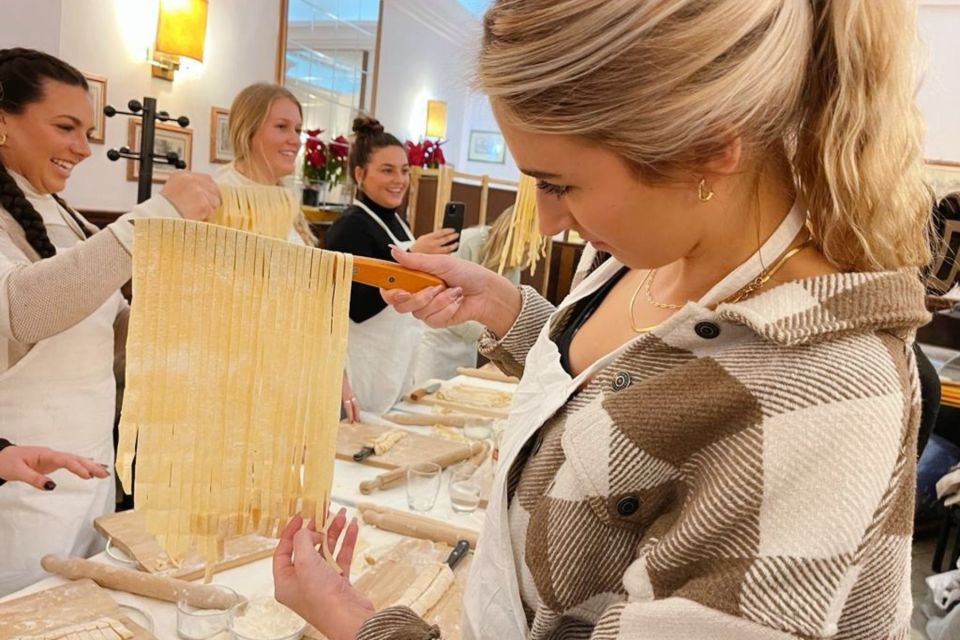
column 381, row 350
column 492, row 604
column 60, row 395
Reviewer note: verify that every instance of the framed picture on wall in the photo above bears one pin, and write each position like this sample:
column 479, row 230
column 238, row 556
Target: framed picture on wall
column 943, row 177
column 486, row 146
column 220, row 150
column 168, row 138
column 98, row 92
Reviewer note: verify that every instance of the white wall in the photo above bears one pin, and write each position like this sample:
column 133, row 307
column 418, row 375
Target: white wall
column 940, row 93
column 423, row 57
column 110, row 37
column 33, row 24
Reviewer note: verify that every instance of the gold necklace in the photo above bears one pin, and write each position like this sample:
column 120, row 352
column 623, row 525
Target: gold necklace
column 740, row 294
column 649, row 295
column 633, row 301
column 766, row 274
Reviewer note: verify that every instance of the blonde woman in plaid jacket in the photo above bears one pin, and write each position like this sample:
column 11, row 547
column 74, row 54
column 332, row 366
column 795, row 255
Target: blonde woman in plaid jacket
column 714, row 435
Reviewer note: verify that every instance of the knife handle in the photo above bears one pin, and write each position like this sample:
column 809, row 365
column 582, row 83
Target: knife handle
column 459, row 550
column 389, row 275
column 363, row 454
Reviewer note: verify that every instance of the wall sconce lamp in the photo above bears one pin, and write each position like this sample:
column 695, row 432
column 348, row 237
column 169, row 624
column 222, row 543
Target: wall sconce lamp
column 436, row 119
column 181, row 29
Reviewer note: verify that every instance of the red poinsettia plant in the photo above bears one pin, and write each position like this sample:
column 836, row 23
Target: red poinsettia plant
column 325, row 161
column 425, row 154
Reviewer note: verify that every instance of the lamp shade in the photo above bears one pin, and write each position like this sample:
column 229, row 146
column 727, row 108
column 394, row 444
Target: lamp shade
column 436, row 119
column 181, row 28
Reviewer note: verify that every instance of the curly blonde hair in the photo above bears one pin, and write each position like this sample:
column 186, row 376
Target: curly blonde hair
column 667, row 84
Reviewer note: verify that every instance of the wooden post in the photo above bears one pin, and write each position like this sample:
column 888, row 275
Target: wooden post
column 412, row 194
column 484, row 198
column 444, row 190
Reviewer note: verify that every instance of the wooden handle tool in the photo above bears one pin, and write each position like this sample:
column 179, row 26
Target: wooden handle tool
column 419, row 394
column 202, row 596
column 487, row 374
column 427, row 419
column 389, row 275
column 395, row 475
column 408, row 524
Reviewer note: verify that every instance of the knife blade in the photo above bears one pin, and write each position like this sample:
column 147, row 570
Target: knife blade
column 459, row 550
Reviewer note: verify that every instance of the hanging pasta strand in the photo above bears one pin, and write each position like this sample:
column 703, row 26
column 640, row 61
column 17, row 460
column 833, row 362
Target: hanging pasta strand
column 524, row 245
column 235, row 352
column 262, row 209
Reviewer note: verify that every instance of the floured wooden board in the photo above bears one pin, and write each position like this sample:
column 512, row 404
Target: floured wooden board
column 411, row 449
column 386, row 581
column 69, row 604
column 129, row 533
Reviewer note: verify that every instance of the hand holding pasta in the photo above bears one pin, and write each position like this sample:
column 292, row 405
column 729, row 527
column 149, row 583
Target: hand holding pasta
column 195, row 195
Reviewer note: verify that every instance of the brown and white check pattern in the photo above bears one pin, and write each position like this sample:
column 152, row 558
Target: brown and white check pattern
column 753, row 484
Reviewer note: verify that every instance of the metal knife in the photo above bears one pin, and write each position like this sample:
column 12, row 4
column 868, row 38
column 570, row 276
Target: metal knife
column 459, row 550
column 417, row 394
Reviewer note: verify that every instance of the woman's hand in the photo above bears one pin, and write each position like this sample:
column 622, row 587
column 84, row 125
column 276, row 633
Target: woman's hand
column 307, row 584
column 195, row 195
column 441, row 241
column 471, row 293
column 31, row 464
column 351, row 408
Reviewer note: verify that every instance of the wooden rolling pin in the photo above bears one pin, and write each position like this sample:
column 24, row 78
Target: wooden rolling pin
column 487, row 374
column 464, row 408
column 427, row 419
column 203, row 596
column 445, row 460
column 415, row 526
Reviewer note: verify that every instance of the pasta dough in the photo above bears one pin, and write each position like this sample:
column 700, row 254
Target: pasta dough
column 100, row 629
column 427, row 589
column 524, row 245
column 266, row 210
column 234, row 361
column 385, row 442
column 467, row 394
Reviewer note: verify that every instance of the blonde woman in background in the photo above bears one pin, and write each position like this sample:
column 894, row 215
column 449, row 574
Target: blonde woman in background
column 715, row 433
column 265, row 125
column 443, row 350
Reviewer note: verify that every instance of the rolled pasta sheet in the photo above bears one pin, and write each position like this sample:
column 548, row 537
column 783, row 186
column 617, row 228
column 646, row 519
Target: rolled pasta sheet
column 235, row 354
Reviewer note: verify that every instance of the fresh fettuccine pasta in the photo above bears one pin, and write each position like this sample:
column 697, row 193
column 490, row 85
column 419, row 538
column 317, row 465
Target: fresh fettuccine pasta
column 524, row 245
column 234, row 361
column 267, row 210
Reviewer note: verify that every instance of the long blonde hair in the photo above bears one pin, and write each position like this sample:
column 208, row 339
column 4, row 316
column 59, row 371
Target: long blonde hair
column 249, row 110
column 667, row 85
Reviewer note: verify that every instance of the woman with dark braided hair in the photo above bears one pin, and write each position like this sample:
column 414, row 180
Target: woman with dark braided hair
column 61, row 312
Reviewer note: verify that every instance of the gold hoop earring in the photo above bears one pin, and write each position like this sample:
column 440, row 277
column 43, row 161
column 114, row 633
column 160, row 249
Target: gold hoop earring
column 3, row 139
column 704, row 192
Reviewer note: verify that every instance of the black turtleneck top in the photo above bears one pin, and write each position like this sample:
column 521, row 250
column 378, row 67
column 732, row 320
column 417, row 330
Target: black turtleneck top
column 356, row 233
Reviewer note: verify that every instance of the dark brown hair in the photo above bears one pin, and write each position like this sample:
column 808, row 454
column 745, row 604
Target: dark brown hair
column 23, row 73
column 368, row 137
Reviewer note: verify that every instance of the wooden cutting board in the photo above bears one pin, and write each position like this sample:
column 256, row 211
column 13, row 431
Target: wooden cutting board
column 412, row 449
column 69, row 604
column 386, row 581
column 129, row 533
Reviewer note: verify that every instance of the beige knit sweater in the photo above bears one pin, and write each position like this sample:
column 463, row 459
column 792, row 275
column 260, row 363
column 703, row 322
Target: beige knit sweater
column 739, row 473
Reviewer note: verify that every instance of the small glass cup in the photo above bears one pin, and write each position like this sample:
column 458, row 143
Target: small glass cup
column 423, row 485
column 194, row 623
column 464, row 488
column 478, row 428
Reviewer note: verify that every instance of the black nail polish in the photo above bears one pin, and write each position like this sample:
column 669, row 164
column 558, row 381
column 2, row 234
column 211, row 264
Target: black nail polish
column 49, row 485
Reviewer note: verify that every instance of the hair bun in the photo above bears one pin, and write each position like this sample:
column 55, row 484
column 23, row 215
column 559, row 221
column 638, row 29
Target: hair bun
column 367, row 126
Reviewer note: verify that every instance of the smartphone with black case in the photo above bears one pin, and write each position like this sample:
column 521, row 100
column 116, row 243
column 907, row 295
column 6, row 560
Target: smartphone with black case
column 453, row 216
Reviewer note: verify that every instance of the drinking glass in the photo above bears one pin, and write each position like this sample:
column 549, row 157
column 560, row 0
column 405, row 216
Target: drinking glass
column 423, row 485
column 464, row 488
